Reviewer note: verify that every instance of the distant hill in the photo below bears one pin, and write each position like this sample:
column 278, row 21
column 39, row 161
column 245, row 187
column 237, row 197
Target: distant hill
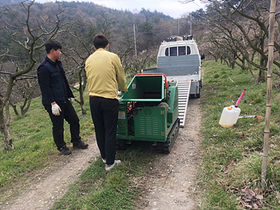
column 148, row 14
column 7, row 2
column 86, row 20
column 151, row 27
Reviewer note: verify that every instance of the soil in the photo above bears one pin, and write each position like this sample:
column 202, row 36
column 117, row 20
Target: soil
column 170, row 184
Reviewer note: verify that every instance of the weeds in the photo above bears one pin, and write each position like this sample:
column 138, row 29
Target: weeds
column 233, row 156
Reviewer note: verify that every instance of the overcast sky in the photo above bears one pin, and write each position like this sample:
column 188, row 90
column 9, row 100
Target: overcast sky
column 172, row 8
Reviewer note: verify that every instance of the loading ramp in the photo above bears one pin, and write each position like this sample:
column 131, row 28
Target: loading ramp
column 183, row 99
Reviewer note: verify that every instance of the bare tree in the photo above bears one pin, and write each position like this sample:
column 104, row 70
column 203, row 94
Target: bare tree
column 79, row 57
column 242, row 26
column 35, row 34
column 25, row 90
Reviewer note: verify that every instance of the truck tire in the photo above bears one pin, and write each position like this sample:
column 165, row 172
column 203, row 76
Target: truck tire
column 198, row 94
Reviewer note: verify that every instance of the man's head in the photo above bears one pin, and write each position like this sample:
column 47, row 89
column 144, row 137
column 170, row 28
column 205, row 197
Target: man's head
column 100, row 41
column 53, row 49
column 52, row 44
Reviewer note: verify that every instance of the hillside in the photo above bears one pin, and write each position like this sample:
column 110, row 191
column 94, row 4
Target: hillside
column 114, row 23
column 8, row 2
column 79, row 21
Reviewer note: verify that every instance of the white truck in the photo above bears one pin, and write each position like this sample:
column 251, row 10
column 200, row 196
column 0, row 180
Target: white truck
column 179, row 59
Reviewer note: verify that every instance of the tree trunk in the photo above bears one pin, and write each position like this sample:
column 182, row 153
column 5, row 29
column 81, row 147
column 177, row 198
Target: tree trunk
column 24, row 108
column 82, row 84
column 253, row 73
column 84, row 111
column 82, row 102
column 4, row 127
column 232, row 64
column 262, row 71
column 14, row 107
column 261, row 76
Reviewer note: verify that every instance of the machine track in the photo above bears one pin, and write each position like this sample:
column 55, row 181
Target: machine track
column 165, row 147
column 121, row 144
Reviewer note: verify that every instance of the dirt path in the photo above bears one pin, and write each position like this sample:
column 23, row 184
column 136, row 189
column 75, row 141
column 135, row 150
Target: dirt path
column 172, row 181
column 170, row 184
column 52, row 183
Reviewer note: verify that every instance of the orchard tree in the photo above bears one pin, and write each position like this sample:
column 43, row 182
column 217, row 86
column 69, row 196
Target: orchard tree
column 77, row 54
column 244, row 24
column 35, row 32
column 24, row 90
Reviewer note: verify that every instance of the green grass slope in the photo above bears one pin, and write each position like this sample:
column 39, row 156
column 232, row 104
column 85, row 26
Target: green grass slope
column 232, row 157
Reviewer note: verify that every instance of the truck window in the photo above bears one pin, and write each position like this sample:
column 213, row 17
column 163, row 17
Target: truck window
column 173, row 51
column 188, row 50
column 166, row 51
column 182, row 50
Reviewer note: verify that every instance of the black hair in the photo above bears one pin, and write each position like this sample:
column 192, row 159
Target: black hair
column 52, row 44
column 100, row 41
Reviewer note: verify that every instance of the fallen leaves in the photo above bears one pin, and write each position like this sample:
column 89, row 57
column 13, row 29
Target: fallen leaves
column 250, row 200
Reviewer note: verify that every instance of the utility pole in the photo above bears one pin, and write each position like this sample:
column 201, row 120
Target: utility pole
column 178, row 27
column 134, row 32
column 190, row 25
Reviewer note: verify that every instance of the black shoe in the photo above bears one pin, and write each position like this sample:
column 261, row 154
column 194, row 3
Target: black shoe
column 80, row 145
column 65, row 151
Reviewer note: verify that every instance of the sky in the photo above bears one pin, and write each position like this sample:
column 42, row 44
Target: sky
column 172, row 8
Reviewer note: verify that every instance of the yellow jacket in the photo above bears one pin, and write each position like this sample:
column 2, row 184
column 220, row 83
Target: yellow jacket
column 104, row 74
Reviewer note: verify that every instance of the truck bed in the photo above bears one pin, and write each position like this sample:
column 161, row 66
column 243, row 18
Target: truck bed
column 184, row 67
column 171, row 78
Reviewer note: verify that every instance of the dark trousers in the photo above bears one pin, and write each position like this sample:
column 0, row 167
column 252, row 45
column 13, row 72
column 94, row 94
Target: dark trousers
column 104, row 113
column 69, row 114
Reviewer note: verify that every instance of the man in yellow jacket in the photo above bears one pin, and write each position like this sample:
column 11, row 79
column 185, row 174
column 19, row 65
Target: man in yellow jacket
column 104, row 74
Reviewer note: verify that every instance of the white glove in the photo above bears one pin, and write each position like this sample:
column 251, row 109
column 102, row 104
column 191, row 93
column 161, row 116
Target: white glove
column 56, row 109
column 71, row 100
column 120, row 93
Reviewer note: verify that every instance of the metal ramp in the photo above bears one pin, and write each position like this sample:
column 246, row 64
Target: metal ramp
column 183, row 99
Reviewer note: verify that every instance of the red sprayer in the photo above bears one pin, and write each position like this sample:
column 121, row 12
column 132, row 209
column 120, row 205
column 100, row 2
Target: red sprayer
column 230, row 114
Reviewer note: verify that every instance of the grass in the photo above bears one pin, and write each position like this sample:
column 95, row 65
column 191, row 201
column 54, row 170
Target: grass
column 232, row 157
column 35, row 150
column 34, row 146
column 117, row 189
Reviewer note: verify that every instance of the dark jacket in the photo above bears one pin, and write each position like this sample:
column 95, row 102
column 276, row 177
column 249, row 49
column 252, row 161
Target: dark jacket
column 53, row 83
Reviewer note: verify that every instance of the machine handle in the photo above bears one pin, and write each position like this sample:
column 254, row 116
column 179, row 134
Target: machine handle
column 166, row 85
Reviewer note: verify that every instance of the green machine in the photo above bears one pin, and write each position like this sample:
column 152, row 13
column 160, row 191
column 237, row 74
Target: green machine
column 149, row 112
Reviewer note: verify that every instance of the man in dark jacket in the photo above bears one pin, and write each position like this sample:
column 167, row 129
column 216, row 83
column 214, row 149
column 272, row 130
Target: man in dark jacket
column 57, row 98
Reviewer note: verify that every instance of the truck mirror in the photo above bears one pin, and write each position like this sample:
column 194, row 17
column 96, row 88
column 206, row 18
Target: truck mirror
column 202, row 56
